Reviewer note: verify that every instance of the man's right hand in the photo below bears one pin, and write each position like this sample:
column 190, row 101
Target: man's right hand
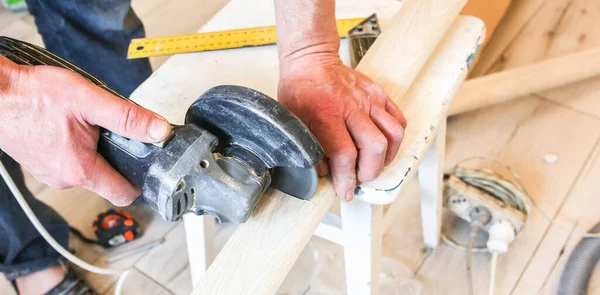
column 49, row 123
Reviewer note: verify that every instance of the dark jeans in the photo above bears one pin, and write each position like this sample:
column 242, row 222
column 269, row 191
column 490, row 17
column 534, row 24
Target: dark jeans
column 94, row 35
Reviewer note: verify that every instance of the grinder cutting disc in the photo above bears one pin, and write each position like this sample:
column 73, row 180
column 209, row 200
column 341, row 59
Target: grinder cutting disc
column 255, row 129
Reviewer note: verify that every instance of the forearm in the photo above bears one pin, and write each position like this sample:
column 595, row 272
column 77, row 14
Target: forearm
column 306, row 27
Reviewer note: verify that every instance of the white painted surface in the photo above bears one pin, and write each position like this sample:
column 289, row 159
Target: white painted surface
column 200, row 238
column 362, row 231
column 331, row 229
column 431, row 174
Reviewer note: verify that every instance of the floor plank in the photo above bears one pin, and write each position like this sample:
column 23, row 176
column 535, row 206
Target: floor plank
column 138, row 283
column 182, row 283
column 403, row 239
column 577, row 216
column 517, row 17
column 165, row 262
column 578, row 31
column 581, row 96
column 560, row 27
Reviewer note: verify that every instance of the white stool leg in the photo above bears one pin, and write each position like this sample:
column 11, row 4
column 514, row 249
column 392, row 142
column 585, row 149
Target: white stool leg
column 362, row 230
column 431, row 182
column 200, row 237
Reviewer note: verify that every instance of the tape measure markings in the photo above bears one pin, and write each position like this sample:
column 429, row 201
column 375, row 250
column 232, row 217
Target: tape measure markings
column 147, row 47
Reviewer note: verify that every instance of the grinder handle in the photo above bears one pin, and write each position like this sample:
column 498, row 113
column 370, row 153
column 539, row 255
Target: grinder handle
column 131, row 158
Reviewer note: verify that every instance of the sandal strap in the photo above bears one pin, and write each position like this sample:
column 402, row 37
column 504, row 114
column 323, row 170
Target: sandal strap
column 72, row 285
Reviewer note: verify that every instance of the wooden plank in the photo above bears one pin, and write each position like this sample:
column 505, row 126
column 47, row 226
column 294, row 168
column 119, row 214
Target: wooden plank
column 261, row 252
column 518, row 82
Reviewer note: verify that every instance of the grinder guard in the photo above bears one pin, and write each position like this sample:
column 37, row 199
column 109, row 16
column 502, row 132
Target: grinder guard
column 259, row 131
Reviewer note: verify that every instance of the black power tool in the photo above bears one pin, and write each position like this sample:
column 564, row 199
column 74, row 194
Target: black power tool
column 236, row 142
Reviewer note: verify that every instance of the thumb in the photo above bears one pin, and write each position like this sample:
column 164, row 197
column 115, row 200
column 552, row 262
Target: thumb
column 124, row 118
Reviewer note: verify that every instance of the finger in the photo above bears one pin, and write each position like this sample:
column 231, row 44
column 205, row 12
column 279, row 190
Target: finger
column 108, row 183
column 323, row 167
column 339, row 148
column 371, row 144
column 393, row 109
column 391, row 128
column 124, row 118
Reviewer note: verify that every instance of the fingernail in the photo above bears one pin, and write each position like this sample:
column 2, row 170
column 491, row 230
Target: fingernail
column 159, row 129
column 349, row 195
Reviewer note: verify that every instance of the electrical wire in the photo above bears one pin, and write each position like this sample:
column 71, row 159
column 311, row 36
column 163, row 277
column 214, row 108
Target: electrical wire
column 591, row 235
column 493, row 265
column 46, row 235
column 121, row 282
column 461, row 247
column 512, row 193
column 469, row 257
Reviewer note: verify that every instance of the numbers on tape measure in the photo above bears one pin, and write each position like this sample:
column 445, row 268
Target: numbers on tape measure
column 239, row 38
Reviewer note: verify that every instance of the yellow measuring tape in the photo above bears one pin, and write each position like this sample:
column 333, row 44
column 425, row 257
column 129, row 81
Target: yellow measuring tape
column 147, row 47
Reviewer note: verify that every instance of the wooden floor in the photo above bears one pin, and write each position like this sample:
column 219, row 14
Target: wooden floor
column 563, row 122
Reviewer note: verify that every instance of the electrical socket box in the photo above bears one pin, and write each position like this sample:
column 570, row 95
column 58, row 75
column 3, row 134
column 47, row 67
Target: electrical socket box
column 462, row 198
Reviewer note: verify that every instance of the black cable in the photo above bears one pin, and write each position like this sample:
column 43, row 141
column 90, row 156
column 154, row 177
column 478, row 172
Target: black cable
column 83, row 238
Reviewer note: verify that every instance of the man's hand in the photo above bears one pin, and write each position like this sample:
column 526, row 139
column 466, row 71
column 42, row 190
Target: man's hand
column 355, row 121
column 49, row 124
column 358, row 125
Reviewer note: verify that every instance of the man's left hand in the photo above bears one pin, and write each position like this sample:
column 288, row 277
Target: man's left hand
column 356, row 122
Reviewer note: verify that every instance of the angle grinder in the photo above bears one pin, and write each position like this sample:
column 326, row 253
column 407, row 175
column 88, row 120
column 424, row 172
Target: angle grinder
column 235, row 143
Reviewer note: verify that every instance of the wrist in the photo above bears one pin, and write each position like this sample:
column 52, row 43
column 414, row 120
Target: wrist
column 319, row 47
column 319, row 57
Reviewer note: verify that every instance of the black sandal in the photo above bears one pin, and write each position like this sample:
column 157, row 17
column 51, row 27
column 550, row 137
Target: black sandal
column 72, row 285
